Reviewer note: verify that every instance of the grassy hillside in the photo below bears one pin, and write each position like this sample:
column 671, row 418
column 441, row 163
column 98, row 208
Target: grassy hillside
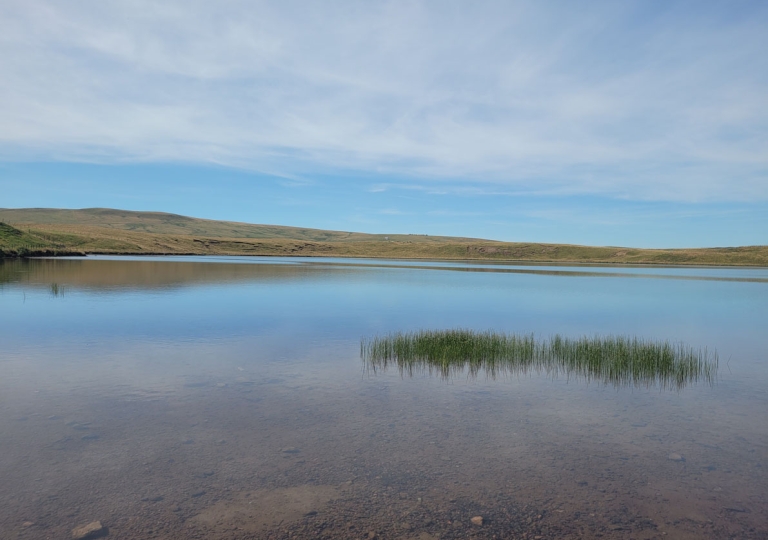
column 97, row 230
column 19, row 243
column 175, row 225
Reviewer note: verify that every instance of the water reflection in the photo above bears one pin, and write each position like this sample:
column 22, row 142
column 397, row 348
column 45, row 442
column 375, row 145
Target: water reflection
column 223, row 398
column 110, row 274
column 104, row 274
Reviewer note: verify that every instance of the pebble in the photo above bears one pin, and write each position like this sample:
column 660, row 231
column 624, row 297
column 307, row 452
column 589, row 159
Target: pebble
column 27, row 524
column 675, row 457
column 477, row 520
column 93, row 530
column 290, row 450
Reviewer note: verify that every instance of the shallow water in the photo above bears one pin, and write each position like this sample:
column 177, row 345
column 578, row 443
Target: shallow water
column 226, row 398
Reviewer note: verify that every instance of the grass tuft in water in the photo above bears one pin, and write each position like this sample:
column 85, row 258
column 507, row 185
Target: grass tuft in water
column 616, row 360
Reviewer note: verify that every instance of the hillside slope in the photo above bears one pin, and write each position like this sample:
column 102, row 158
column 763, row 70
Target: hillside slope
column 105, row 231
column 176, row 225
column 19, row 243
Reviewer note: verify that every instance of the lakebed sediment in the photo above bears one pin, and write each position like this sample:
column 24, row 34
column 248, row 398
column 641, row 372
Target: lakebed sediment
column 210, row 461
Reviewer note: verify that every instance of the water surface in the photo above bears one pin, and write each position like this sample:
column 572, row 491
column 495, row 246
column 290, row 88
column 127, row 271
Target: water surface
column 226, row 398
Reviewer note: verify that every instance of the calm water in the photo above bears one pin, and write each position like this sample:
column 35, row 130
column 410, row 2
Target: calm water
column 226, row 398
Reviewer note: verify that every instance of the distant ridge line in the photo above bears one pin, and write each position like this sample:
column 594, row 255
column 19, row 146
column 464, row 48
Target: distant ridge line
column 129, row 232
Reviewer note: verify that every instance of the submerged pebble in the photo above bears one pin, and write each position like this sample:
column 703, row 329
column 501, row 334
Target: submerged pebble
column 675, row 457
column 92, row 530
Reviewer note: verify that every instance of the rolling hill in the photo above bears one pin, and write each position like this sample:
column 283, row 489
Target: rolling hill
column 44, row 231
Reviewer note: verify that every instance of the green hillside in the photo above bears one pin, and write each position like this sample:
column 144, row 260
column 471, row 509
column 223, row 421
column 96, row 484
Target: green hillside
column 19, row 243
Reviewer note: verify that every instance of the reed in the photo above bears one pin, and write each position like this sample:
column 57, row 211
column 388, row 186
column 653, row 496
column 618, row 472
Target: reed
column 56, row 290
column 616, row 360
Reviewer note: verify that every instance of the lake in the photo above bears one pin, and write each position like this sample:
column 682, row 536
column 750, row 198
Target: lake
column 226, row 397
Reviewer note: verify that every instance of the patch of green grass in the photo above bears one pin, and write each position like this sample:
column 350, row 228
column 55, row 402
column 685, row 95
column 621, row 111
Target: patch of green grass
column 8, row 233
column 23, row 242
column 616, row 360
column 14, row 241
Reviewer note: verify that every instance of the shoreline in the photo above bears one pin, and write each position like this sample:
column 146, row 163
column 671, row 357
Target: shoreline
column 52, row 254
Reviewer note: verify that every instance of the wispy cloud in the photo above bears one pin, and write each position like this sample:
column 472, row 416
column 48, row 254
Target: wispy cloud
column 391, row 212
column 634, row 99
column 455, row 213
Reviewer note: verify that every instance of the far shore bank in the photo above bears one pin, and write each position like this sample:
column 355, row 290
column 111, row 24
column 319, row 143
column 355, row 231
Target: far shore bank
column 592, row 262
column 54, row 232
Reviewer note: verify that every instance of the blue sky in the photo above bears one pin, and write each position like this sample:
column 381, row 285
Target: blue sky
column 622, row 123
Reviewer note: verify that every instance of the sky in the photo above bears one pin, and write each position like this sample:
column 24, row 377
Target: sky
column 634, row 123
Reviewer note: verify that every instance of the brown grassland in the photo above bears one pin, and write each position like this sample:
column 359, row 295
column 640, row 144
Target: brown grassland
column 29, row 232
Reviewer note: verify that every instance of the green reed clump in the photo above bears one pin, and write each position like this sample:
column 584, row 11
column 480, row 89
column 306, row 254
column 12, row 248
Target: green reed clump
column 617, row 360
